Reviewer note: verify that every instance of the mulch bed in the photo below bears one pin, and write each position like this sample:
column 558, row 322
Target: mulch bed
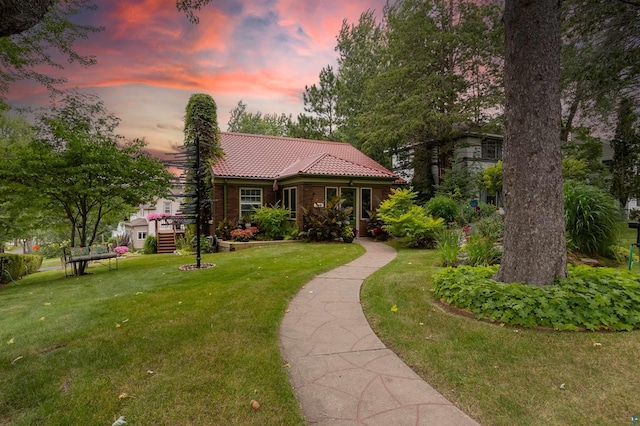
column 193, row 266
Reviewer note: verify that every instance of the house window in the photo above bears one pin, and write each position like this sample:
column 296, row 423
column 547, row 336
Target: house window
column 167, row 207
column 330, row 193
column 250, row 199
column 365, row 203
column 289, row 201
column 142, row 235
column 491, row 150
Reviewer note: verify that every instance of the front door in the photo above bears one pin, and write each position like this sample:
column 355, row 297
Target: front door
column 350, row 197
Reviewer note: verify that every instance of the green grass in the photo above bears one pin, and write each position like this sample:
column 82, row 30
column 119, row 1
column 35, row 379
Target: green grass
column 186, row 347
column 502, row 375
column 626, row 235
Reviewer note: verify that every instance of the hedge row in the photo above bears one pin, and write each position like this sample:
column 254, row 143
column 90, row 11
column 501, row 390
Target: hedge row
column 15, row 266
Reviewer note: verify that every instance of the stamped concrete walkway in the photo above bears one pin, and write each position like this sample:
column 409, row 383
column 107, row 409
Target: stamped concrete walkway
column 341, row 373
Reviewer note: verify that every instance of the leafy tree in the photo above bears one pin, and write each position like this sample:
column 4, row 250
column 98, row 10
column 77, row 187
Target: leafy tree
column 601, row 57
column 626, row 155
column 17, row 214
column 491, row 178
column 77, row 167
column 34, row 33
column 17, row 16
column 534, row 239
column 320, row 101
column 241, row 121
column 23, row 56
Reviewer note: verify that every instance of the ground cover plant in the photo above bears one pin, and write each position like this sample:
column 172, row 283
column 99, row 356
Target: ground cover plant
column 155, row 344
column 502, row 375
column 591, row 298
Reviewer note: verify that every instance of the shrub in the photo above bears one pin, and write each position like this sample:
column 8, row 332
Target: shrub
column 591, row 218
column 491, row 227
column 448, row 246
column 325, row 223
column 474, row 214
column 52, row 250
column 482, row 251
column 32, row 263
column 223, row 231
column 348, row 234
column 375, row 227
column 243, row 235
column 591, row 298
column 273, row 222
column 15, row 266
column 150, row 245
column 121, row 250
column 444, row 207
column 407, row 221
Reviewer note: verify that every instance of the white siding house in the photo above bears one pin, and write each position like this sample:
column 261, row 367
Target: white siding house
column 138, row 227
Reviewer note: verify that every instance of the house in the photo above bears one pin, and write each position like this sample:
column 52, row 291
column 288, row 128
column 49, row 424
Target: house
column 476, row 151
column 141, row 223
column 259, row 170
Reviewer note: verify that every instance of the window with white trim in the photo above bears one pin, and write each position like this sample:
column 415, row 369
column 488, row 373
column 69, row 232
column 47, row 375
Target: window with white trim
column 167, row 207
column 142, row 235
column 250, row 199
column 289, row 201
column 365, row 203
column 330, row 192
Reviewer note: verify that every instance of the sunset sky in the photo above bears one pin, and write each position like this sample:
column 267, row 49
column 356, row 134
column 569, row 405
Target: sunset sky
column 151, row 59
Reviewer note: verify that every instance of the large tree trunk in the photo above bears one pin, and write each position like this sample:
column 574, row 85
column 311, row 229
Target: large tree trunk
column 17, row 16
column 534, row 240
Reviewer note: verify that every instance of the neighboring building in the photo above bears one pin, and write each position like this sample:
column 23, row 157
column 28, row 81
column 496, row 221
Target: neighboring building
column 477, row 151
column 138, row 227
column 259, row 170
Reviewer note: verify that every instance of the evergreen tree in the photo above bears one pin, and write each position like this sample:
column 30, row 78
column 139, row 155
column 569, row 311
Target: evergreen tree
column 202, row 147
column 320, row 100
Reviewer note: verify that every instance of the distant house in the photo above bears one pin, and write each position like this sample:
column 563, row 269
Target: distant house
column 476, row 151
column 259, row 170
column 139, row 226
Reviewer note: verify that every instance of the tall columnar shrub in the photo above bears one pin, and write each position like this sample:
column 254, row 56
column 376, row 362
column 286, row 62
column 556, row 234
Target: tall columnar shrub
column 591, row 217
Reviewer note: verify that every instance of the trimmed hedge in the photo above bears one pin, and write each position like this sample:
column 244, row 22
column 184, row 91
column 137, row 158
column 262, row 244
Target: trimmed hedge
column 590, row 298
column 17, row 266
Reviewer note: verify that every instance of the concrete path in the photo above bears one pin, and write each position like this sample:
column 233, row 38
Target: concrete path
column 341, row 373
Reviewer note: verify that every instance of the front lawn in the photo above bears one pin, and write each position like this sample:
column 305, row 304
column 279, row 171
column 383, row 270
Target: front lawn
column 502, row 375
column 154, row 344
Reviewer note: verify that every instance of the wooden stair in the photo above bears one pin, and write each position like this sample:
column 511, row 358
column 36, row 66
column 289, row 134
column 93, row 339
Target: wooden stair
column 166, row 242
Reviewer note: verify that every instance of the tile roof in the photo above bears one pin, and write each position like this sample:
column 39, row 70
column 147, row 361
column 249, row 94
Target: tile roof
column 272, row 157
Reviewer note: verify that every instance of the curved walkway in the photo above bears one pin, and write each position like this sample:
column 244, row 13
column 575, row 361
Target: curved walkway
column 341, row 373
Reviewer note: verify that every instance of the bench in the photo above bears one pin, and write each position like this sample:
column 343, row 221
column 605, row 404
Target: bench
column 73, row 255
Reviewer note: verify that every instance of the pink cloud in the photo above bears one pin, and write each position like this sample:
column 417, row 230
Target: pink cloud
column 264, row 52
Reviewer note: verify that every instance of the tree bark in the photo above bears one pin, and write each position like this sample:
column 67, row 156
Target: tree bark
column 17, row 16
column 534, row 240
